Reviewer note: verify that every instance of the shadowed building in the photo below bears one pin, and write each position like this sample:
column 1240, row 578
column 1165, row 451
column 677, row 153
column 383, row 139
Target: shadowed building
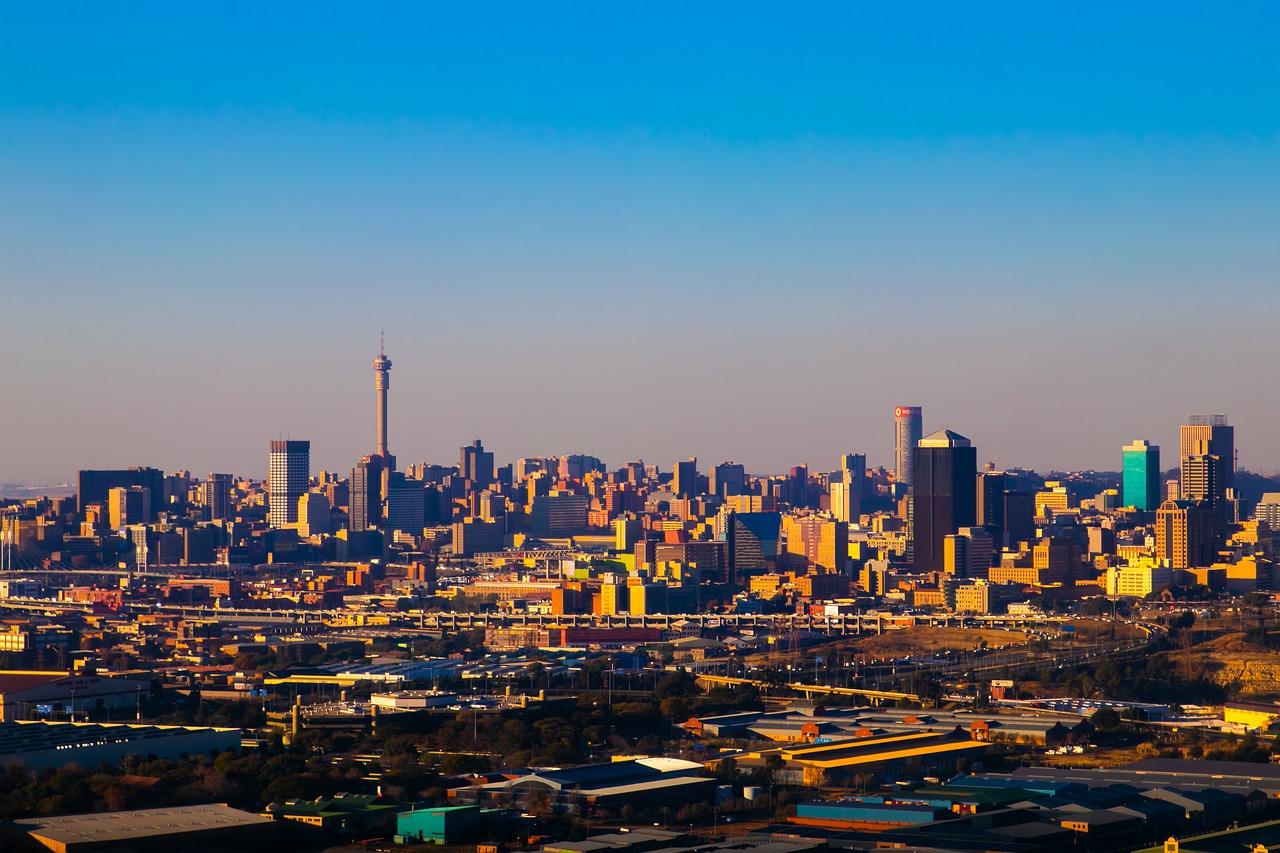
column 95, row 486
column 944, row 495
column 753, row 539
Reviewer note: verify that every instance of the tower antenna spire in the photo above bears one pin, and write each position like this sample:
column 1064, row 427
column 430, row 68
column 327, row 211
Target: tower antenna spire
column 382, row 342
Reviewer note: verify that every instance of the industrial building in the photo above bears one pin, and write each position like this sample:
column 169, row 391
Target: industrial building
column 806, row 722
column 144, row 830
column 885, row 757
column 342, row 813
column 27, row 693
column 447, row 825
column 39, row 744
column 632, row 782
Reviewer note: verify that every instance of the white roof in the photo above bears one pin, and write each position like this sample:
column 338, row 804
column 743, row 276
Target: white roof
column 668, row 765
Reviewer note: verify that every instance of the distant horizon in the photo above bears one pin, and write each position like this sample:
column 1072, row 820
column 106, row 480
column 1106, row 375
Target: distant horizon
column 70, row 484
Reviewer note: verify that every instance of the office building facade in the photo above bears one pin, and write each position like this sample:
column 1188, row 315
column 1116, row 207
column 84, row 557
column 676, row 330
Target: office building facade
column 943, row 495
column 1140, row 487
column 94, row 486
column 907, row 431
column 288, row 474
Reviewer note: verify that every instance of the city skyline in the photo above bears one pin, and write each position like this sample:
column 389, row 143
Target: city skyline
column 779, row 227
column 382, row 367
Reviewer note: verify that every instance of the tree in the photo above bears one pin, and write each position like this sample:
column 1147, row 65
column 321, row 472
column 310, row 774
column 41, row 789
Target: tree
column 1106, row 720
column 455, row 763
column 534, row 670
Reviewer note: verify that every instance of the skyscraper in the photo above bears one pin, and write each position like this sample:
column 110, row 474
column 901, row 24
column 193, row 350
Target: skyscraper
column 943, row 495
column 1184, row 534
column 366, row 493
column 728, row 478
column 381, row 383
column 685, row 482
column 907, row 423
column 288, row 475
column 1141, row 484
column 94, row 486
column 476, row 464
column 215, row 497
column 753, row 539
column 1210, row 435
column 128, row 506
column 1207, row 468
column 990, row 508
column 847, row 486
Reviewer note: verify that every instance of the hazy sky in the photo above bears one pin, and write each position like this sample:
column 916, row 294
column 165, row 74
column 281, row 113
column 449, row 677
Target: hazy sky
column 639, row 231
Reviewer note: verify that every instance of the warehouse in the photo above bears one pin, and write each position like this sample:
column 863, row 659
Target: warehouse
column 144, row 830
column 39, row 744
column 633, row 782
column 26, row 693
column 448, row 825
column 886, row 757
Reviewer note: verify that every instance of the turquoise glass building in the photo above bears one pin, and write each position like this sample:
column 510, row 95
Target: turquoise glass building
column 1140, row 488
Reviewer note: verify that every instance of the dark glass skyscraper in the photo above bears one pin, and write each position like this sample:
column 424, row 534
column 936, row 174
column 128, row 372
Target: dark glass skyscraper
column 944, row 495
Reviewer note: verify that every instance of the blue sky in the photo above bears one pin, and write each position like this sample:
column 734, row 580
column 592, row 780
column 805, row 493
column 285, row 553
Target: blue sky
column 736, row 231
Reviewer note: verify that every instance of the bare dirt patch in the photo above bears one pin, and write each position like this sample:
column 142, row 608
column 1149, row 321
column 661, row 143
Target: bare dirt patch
column 929, row 641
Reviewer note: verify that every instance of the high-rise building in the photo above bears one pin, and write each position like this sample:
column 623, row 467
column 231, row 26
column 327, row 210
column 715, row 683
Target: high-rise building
column 314, row 514
column 366, row 494
column 907, row 424
column 406, row 504
column 753, row 539
column 473, row 536
column 1268, row 510
column 558, row 514
column 128, row 506
column 967, row 554
column 990, row 508
column 685, row 482
column 1200, row 474
column 844, row 502
column 381, row 383
column 288, row 474
column 943, row 495
column 1019, row 517
column 816, row 544
column 1141, row 484
column 626, row 532
column 1210, row 435
column 93, row 486
column 728, row 478
column 476, row 464
column 847, row 487
column 1184, row 534
column 577, row 466
column 215, row 497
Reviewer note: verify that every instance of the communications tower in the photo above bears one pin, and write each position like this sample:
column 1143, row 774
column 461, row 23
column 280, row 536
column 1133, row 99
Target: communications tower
column 382, row 381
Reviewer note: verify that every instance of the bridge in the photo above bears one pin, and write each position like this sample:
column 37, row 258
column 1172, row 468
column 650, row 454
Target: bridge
column 772, row 624
column 809, row 690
